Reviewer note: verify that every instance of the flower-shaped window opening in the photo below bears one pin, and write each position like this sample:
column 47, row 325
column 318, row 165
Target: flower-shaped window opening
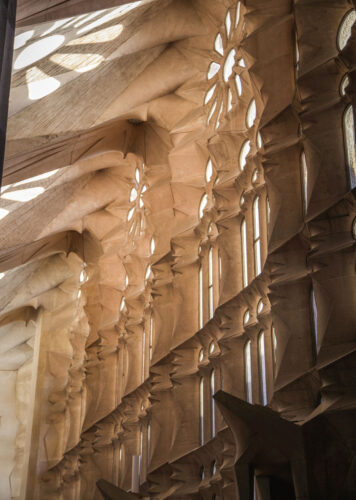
column 135, row 214
column 224, row 71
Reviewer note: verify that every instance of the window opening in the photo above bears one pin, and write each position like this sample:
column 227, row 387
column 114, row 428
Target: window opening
column 209, row 94
column 251, row 114
column 209, row 171
column 213, row 69
column 229, row 64
column 248, row 371
column 262, row 368
column 228, row 23
column 211, row 283
column 238, row 7
column 212, row 392
column 143, row 352
column 238, row 84
column 203, row 204
column 257, row 236
column 153, row 246
column 254, row 175
column 151, row 336
column 314, row 317
column 244, row 253
column 305, row 180
column 229, row 100
column 350, row 143
column 201, row 410
column 274, row 347
column 246, row 317
column 201, row 299
column 243, row 154
column 345, row 28
column 218, row 45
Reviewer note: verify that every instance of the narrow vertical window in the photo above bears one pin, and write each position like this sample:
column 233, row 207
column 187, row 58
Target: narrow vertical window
column 314, row 321
column 201, row 303
column 212, row 392
column 220, row 267
column 211, row 283
column 345, row 29
column 244, row 253
column 268, row 210
column 143, row 351
column 151, row 337
column 201, row 410
column 120, row 461
column 248, row 371
column 274, row 348
column 140, row 464
column 350, row 143
column 305, row 180
column 257, row 236
column 148, row 443
column 262, row 368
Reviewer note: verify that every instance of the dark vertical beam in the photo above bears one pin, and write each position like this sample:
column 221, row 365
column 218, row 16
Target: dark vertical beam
column 7, row 33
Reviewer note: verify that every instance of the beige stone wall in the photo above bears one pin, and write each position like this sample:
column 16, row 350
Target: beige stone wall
column 130, row 243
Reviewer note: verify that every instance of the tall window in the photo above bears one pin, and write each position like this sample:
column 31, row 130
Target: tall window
column 120, row 461
column 211, row 283
column 274, row 347
column 244, row 253
column 345, row 28
column 257, row 236
column 148, row 445
column 201, row 410
column 248, row 371
column 314, row 321
column 143, row 352
column 201, row 298
column 304, row 167
column 151, row 336
column 268, row 211
column 140, row 473
column 350, row 143
column 262, row 367
column 212, row 392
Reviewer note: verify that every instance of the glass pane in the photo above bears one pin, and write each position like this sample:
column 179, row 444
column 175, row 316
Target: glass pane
column 345, row 29
column 244, row 253
column 209, row 94
column 229, row 64
column 212, row 392
column 305, row 180
column 251, row 114
column 262, row 368
column 243, row 154
column 256, row 218
column 248, row 372
column 201, row 310
column 213, row 69
column 218, row 45
column 350, row 143
column 201, row 410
